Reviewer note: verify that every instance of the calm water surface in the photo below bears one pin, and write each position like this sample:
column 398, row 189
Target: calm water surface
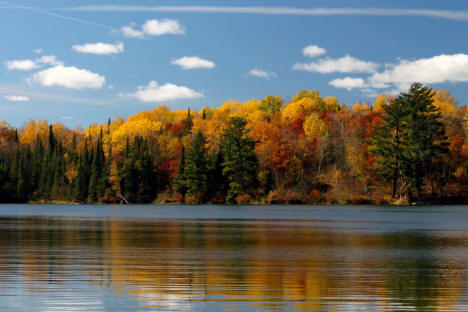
column 218, row 258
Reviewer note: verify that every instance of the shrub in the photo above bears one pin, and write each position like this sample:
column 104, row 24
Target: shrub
column 217, row 200
column 243, row 199
column 192, row 200
column 314, row 196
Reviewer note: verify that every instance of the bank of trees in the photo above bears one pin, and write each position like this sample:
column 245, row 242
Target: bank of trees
column 310, row 149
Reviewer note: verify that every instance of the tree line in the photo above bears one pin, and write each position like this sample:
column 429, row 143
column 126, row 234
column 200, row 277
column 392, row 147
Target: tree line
column 312, row 149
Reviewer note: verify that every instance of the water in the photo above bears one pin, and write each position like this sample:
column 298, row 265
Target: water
column 218, row 258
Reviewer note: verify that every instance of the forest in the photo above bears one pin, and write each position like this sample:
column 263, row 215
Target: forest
column 307, row 150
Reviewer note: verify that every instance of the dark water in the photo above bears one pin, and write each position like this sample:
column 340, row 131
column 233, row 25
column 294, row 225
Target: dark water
column 215, row 258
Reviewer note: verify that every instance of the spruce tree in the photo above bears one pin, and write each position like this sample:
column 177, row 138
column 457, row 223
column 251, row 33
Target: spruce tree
column 426, row 142
column 180, row 184
column 387, row 142
column 82, row 178
column 196, row 168
column 146, row 175
column 410, row 140
column 239, row 159
column 217, row 182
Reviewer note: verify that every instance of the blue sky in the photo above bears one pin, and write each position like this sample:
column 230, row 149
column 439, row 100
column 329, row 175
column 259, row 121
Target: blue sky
column 67, row 61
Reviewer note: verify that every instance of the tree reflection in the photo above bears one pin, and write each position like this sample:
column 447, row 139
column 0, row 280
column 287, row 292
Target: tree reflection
column 274, row 265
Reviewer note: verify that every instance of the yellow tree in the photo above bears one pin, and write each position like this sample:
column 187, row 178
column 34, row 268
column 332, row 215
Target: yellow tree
column 316, row 132
column 133, row 128
column 32, row 130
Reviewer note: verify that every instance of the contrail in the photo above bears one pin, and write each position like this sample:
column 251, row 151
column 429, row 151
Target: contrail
column 11, row 5
column 445, row 14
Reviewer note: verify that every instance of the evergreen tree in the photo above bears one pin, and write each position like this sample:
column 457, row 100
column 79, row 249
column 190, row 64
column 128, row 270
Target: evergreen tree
column 239, row 159
column 387, row 142
column 217, row 183
column 137, row 178
column 82, row 178
column 426, row 142
column 180, row 184
column 95, row 174
column 52, row 142
column 410, row 140
column 146, row 175
column 196, row 168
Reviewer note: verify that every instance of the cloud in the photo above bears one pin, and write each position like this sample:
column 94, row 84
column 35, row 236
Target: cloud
column 69, row 77
column 17, row 98
column 55, row 96
column 21, row 65
column 154, row 27
column 461, row 15
column 256, row 72
column 38, row 51
column 130, row 32
column 163, row 27
column 345, row 64
column 348, row 83
column 49, row 60
column 399, row 76
column 436, row 69
column 27, row 65
column 313, row 51
column 67, row 117
column 154, row 92
column 100, row 48
column 192, row 62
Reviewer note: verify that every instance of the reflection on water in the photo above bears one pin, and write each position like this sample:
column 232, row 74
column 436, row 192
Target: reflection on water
column 320, row 261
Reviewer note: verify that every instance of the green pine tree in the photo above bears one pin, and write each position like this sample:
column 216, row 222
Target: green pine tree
column 426, row 142
column 217, row 182
column 239, row 159
column 180, row 184
column 387, row 142
column 196, row 168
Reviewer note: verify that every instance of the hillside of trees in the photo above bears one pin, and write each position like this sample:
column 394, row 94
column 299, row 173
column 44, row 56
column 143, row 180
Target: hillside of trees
column 310, row 149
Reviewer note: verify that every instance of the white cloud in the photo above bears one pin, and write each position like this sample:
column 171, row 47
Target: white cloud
column 17, row 98
column 192, row 62
column 154, row 27
column 27, row 65
column 163, row 27
column 154, row 92
column 348, row 83
column 399, row 76
column 345, row 64
column 256, row 72
column 49, row 60
column 130, row 32
column 313, row 51
column 446, row 14
column 99, row 48
column 67, row 117
column 21, row 65
column 437, row 69
column 38, row 51
column 68, row 77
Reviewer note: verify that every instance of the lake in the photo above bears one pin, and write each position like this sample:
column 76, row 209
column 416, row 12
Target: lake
column 233, row 258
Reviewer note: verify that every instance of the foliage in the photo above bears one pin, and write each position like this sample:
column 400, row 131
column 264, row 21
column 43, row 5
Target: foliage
column 309, row 149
